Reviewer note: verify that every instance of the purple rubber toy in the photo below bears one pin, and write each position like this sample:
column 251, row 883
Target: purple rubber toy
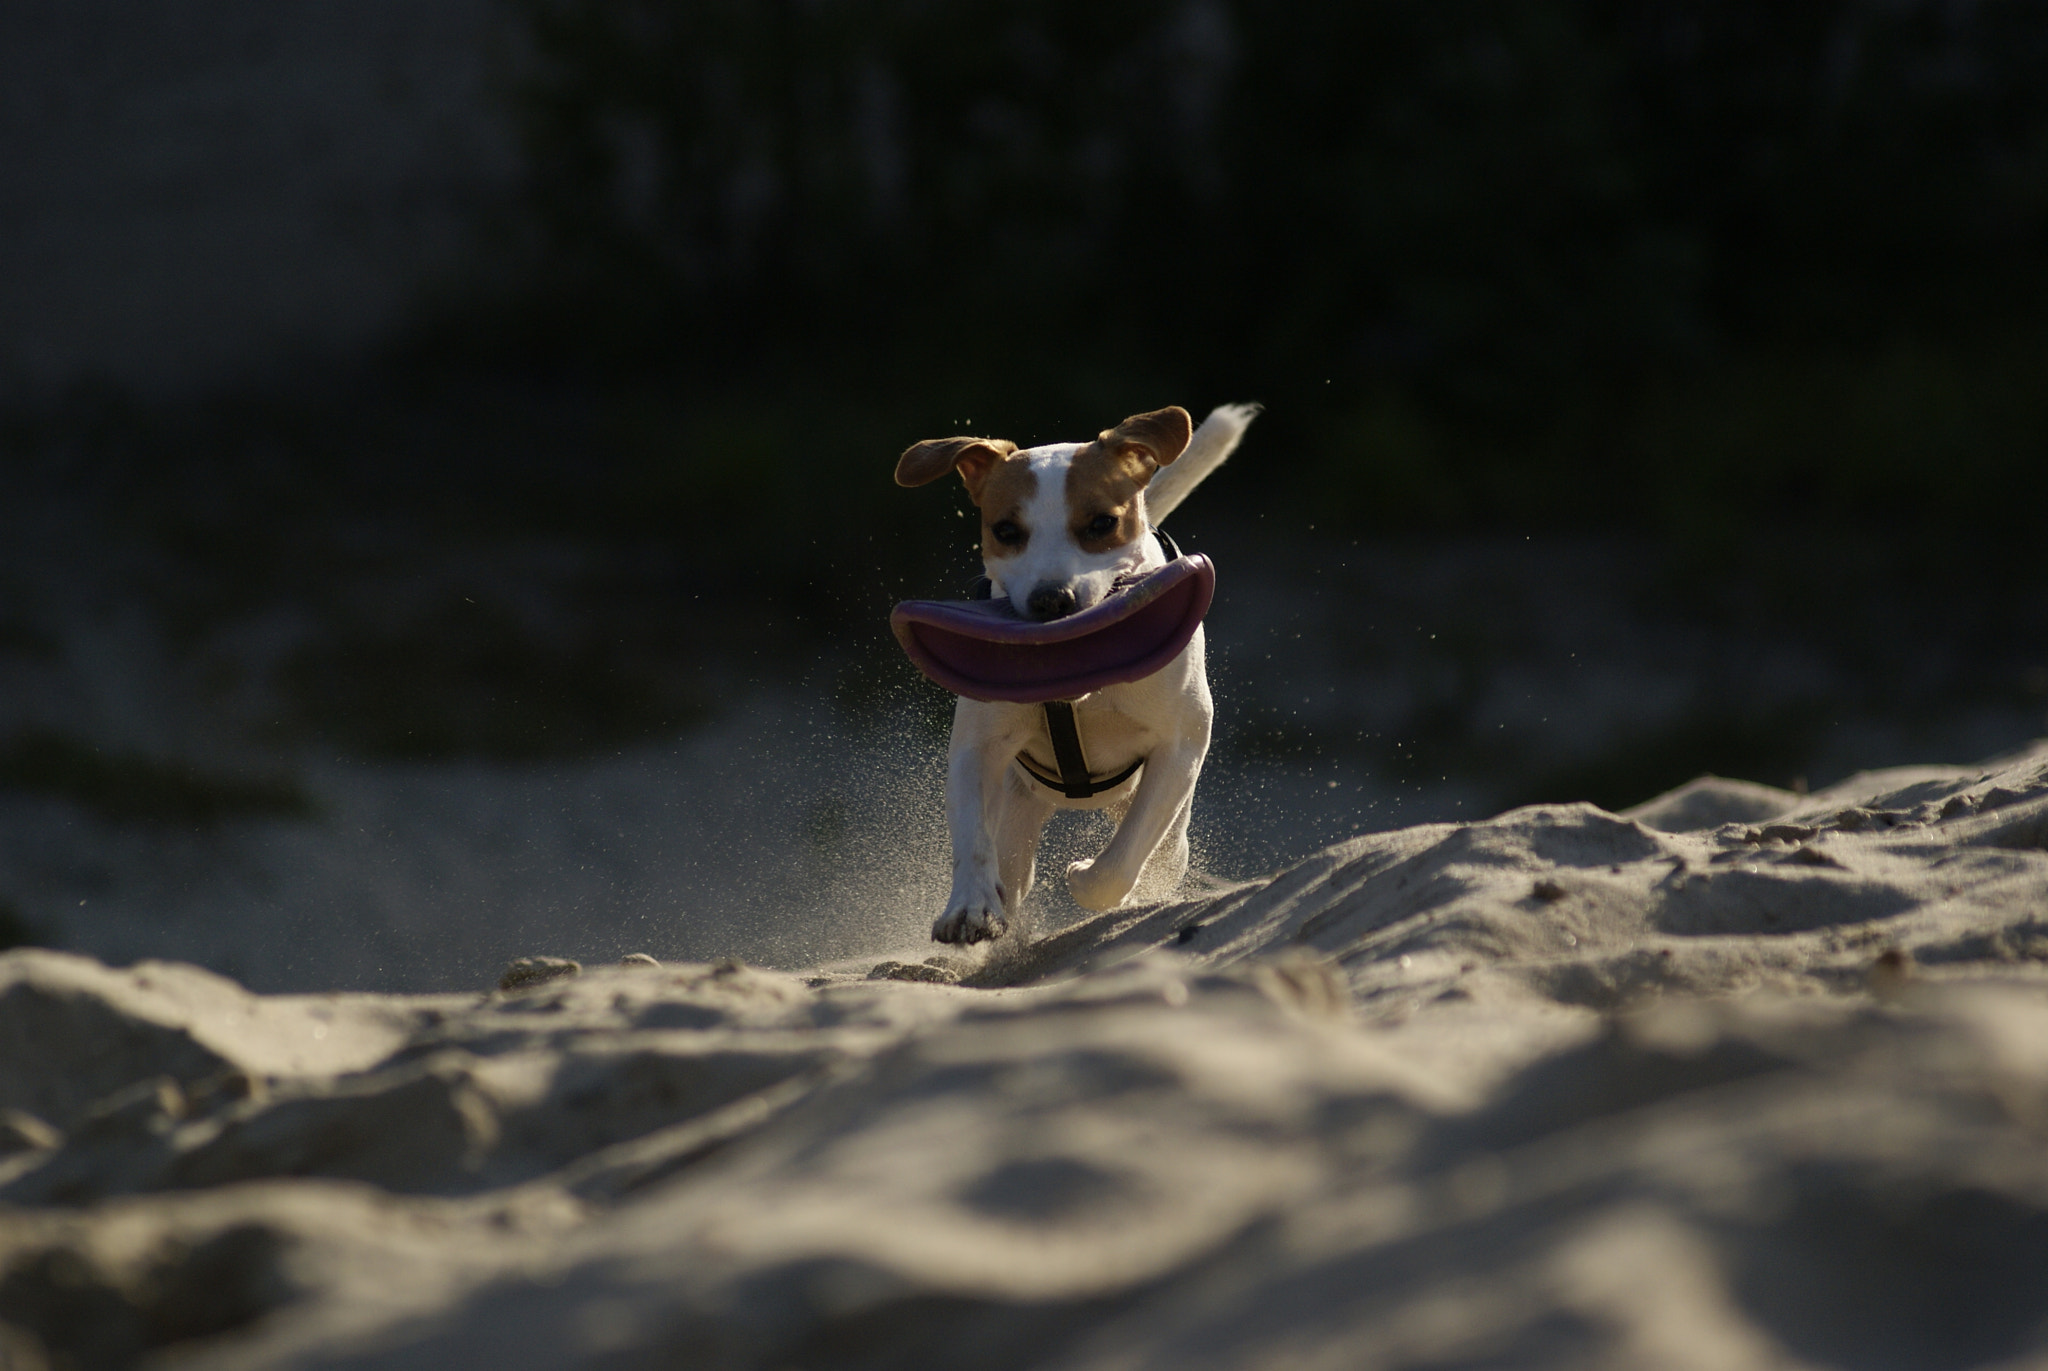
column 986, row 651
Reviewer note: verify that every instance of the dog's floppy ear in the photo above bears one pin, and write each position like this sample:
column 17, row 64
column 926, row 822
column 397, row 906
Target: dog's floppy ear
column 1157, row 437
column 973, row 458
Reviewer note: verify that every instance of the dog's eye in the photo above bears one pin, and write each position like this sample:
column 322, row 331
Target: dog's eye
column 1101, row 526
column 1006, row 533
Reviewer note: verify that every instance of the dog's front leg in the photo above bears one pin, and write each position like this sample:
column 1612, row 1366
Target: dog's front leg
column 975, row 774
column 1017, row 830
column 1168, row 864
column 1163, row 794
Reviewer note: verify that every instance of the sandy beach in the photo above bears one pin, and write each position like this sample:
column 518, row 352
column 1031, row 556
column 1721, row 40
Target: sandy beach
column 470, row 840
column 1738, row 1078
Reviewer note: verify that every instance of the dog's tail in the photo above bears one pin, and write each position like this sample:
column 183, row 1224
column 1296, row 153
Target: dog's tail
column 1211, row 446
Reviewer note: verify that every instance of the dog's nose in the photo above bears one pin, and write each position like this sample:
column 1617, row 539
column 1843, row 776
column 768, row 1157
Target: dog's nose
column 1050, row 602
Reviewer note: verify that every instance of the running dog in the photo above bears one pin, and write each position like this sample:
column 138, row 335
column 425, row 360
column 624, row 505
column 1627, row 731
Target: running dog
column 1061, row 525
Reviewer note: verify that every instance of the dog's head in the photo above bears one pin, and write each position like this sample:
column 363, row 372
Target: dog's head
column 1060, row 523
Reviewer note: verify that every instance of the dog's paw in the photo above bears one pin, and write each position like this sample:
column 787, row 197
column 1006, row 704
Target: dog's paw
column 971, row 920
column 1096, row 889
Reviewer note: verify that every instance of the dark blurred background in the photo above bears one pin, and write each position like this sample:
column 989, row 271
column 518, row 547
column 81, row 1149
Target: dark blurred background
column 447, row 514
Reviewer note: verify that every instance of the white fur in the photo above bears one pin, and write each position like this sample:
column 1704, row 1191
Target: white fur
column 1210, row 448
column 1051, row 557
column 995, row 810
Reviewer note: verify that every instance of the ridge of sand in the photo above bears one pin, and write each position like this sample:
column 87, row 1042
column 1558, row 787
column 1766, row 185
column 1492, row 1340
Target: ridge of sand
column 1739, row 1078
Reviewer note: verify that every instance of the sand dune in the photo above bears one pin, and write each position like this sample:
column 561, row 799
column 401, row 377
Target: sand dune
column 1740, row 1078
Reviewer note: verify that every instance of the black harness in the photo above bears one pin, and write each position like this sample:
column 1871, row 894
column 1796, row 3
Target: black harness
column 1074, row 781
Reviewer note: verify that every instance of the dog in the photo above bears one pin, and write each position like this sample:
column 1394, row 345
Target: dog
column 1061, row 526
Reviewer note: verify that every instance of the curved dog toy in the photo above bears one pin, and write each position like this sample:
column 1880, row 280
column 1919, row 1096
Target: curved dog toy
column 984, row 650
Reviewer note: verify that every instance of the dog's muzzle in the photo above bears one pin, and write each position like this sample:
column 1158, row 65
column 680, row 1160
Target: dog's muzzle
column 1050, row 602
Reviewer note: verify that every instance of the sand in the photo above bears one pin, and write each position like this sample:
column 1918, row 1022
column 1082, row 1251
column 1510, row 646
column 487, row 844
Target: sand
column 1739, row 1078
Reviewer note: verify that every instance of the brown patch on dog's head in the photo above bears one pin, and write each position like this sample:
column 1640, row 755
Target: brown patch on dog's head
column 973, row 458
column 1004, row 493
column 1106, row 476
column 1102, row 498
column 1156, row 438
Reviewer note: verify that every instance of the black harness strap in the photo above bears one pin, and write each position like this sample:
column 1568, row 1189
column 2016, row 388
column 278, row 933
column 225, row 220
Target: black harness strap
column 1074, row 781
